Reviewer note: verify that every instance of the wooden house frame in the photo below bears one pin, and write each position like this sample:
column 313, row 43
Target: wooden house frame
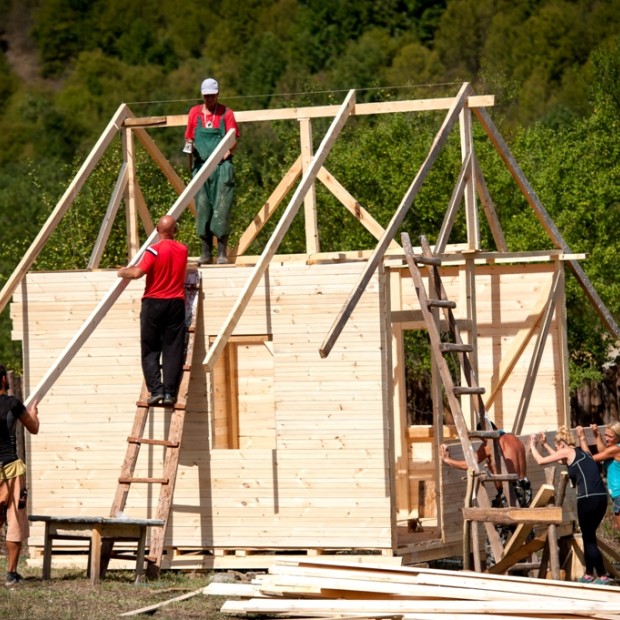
column 296, row 438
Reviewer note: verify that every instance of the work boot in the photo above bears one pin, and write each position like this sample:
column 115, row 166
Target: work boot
column 155, row 398
column 206, row 257
column 221, row 251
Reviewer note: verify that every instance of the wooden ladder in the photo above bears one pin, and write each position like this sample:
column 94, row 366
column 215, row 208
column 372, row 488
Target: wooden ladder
column 431, row 304
column 171, row 444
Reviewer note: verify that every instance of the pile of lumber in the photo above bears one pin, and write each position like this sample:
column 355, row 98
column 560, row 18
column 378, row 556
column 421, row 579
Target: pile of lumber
column 312, row 589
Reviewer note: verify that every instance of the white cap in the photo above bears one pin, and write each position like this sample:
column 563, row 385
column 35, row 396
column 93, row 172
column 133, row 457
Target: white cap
column 209, row 87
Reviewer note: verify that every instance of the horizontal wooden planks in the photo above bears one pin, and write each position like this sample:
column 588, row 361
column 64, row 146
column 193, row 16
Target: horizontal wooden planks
column 327, row 482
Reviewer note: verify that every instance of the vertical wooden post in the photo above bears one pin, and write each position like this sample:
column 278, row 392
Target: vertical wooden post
column 400, row 425
column 552, row 550
column 471, row 406
column 467, row 524
column 310, row 216
column 471, row 209
column 133, row 236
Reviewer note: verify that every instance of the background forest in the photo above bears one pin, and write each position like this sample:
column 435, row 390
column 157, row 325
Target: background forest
column 553, row 66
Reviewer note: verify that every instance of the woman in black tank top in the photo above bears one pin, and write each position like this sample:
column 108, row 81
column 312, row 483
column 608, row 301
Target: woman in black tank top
column 591, row 494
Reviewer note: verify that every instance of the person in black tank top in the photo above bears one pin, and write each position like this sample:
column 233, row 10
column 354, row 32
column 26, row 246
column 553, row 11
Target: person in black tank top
column 591, row 495
column 13, row 507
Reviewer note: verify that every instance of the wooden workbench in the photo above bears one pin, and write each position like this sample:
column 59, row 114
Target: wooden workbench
column 96, row 530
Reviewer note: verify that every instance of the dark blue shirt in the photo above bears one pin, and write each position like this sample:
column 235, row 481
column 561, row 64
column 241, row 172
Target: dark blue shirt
column 584, row 472
column 11, row 409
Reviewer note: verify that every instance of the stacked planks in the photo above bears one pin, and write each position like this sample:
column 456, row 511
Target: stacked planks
column 312, row 589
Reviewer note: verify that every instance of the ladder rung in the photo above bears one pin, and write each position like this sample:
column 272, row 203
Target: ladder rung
column 153, row 442
column 498, row 477
column 452, row 347
column 144, row 480
column 485, row 434
column 144, row 404
column 468, row 390
column 441, row 303
column 427, row 260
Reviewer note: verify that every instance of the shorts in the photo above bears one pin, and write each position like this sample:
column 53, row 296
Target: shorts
column 18, row 526
column 523, row 491
column 616, row 505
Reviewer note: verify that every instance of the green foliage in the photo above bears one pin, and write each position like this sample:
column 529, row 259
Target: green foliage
column 554, row 66
column 363, row 61
column 426, row 15
column 606, row 86
column 62, row 29
column 412, row 64
column 261, row 69
column 576, row 172
column 537, row 55
column 463, row 29
column 72, row 243
column 8, row 82
column 21, row 218
column 138, row 46
column 95, row 90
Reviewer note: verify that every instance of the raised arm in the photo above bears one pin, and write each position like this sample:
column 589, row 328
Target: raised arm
column 545, row 444
column 553, row 457
column 581, row 435
column 448, row 460
column 611, row 452
column 600, row 442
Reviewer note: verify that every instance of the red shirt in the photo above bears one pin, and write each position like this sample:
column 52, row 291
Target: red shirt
column 164, row 263
column 207, row 117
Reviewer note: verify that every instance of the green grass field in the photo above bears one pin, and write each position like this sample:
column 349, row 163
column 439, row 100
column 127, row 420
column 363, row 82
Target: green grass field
column 70, row 596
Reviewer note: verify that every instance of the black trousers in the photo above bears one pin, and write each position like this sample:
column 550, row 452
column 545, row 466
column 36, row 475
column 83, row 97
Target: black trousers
column 590, row 512
column 162, row 340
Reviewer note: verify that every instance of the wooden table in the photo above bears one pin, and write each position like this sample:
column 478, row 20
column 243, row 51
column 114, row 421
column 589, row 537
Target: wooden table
column 97, row 530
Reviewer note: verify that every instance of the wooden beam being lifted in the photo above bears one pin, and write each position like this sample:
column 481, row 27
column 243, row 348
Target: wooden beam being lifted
column 112, row 295
column 64, row 203
column 545, row 219
column 397, row 219
column 281, row 229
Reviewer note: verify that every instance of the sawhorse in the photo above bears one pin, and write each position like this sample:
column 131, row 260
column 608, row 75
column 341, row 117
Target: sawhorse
column 96, row 530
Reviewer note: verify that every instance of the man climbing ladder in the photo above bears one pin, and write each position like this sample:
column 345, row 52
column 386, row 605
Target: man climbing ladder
column 162, row 316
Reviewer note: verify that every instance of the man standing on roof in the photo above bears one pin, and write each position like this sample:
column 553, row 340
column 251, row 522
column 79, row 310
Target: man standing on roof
column 13, row 474
column 162, row 316
column 207, row 124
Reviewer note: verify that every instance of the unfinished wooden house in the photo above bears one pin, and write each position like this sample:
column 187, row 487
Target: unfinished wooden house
column 293, row 435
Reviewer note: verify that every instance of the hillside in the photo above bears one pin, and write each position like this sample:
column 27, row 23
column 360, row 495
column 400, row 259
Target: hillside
column 553, row 66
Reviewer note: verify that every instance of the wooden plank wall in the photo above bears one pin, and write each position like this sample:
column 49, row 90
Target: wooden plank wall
column 313, row 476
column 507, row 297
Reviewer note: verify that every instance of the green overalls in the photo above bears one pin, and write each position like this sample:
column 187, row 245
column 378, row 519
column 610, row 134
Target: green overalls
column 215, row 198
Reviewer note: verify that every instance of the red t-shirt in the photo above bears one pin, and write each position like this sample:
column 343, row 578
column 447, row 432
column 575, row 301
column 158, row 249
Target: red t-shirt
column 214, row 119
column 164, row 263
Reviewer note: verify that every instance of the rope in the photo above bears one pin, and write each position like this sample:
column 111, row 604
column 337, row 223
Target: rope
column 307, row 93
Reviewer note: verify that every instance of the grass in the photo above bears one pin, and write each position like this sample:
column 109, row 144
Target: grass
column 69, row 595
